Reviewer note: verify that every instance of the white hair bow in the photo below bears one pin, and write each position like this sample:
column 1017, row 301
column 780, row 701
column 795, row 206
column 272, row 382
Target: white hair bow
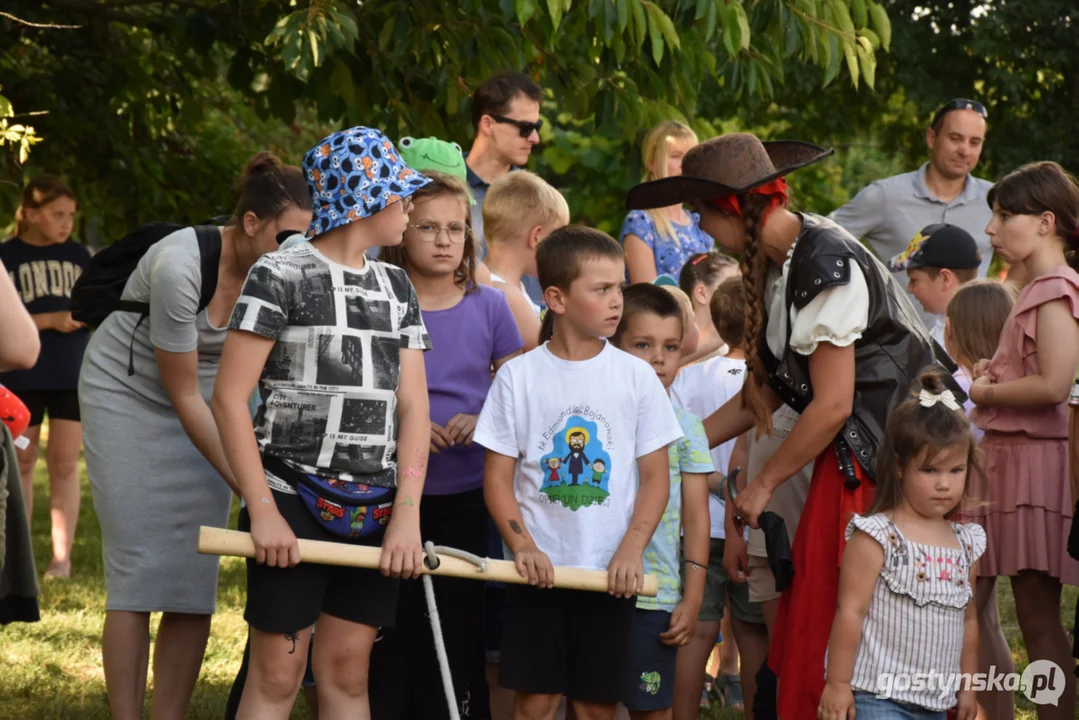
column 928, row 399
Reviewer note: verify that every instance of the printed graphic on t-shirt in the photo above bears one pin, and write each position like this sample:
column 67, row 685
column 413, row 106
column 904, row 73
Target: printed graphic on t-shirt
column 45, row 278
column 329, row 385
column 577, row 467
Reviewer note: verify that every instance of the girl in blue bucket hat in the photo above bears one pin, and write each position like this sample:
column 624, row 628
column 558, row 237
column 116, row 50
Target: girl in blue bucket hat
column 334, row 342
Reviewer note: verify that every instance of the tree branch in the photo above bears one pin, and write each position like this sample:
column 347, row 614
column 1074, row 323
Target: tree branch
column 108, row 10
column 45, row 26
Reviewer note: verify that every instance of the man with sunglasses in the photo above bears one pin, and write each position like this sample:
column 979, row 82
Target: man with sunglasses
column 889, row 213
column 506, row 118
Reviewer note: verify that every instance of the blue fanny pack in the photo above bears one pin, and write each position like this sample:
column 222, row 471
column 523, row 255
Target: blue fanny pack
column 345, row 509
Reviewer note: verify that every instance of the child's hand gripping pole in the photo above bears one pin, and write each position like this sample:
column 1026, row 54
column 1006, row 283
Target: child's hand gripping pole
column 217, row 541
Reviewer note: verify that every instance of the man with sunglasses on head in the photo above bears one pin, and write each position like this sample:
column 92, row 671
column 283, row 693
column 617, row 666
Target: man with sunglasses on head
column 889, row 213
column 506, row 118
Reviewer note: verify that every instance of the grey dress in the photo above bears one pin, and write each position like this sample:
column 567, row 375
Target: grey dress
column 152, row 488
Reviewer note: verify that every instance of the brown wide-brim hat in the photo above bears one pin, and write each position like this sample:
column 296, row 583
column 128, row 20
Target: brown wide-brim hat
column 727, row 165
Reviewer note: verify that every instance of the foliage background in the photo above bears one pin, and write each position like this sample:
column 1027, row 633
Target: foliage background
column 154, row 107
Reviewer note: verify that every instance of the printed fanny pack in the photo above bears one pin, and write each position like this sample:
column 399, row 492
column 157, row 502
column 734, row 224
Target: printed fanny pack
column 345, row 509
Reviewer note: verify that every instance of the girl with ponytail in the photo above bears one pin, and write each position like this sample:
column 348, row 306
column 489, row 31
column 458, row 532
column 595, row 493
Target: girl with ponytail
column 816, row 300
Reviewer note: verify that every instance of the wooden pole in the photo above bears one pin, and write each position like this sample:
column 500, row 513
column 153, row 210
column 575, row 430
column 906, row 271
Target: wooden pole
column 218, row 541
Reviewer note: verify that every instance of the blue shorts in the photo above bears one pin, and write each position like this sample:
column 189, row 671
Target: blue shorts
column 868, row 706
column 651, row 663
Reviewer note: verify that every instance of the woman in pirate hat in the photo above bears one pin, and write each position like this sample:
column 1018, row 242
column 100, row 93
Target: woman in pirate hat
column 829, row 333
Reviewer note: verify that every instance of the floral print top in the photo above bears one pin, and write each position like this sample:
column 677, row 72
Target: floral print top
column 670, row 254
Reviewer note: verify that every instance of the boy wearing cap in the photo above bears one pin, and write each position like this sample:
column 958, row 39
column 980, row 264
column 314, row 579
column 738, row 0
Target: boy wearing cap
column 334, row 342
column 938, row 261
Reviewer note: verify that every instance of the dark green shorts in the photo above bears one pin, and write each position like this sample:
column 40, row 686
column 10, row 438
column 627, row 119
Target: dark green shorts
column 718, row 589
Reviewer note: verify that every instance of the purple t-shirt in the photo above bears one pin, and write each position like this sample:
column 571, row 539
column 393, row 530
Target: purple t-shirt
column 465, row 340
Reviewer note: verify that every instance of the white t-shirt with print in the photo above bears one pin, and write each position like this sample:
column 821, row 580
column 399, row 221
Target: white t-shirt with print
column 328, row 389
column 576, row 430
column 702, row 389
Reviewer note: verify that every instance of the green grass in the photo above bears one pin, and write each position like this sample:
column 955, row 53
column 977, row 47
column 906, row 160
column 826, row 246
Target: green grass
column 52, row 669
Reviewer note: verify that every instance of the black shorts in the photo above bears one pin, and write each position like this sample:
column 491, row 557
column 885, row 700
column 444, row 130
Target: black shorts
column 651, row 663
column 566, row 642
column 405, row 682
column 58, row 404
column 283, row 600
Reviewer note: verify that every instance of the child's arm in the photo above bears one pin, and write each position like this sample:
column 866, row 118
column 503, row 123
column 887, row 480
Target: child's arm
column 524, row 315
column 506, row 514
column 1056, row 362
column 640, row 259
column 625, row 573
column 696, row 530
column 22, row 343
column 862, row 562
column 968, row 660
column 831, row 374
column 735, row 548
column 739, row 459
column 242, row 360
column 402, row 549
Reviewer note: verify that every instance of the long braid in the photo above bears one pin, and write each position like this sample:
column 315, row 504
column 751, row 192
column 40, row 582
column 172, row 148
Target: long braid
column 754, row 270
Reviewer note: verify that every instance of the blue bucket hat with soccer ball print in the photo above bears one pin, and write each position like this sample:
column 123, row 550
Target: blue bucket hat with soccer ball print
column 354, row 174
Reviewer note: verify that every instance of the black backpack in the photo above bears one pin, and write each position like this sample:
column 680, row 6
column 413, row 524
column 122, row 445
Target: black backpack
column 97, row 293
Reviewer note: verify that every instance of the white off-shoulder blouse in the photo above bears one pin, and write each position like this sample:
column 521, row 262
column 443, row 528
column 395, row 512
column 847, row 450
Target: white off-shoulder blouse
column 838, row 315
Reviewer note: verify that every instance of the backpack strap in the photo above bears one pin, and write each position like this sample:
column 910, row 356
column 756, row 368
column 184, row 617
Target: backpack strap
column 210, row 257
column 209, row 238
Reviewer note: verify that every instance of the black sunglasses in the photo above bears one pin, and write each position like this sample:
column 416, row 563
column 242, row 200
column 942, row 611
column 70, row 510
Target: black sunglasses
column 523, row 126
column 959, row 104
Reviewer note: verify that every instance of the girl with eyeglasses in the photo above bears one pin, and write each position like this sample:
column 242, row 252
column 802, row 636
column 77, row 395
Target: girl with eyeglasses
column 472, row 331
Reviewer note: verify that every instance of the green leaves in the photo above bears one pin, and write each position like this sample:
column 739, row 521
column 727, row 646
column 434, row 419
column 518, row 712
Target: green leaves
column 847, row 24
column 882, row 24
column 304, row 38
column 21, row 137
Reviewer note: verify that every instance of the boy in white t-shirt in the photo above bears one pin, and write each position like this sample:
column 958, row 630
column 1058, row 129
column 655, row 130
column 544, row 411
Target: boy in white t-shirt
column 602, row 414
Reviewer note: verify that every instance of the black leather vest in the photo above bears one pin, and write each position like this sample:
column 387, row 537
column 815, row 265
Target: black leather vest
column 894, row 349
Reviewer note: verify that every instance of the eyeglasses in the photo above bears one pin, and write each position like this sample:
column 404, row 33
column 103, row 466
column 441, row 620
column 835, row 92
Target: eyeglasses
column 429, row 231
column 959, row 104
column 523, row 126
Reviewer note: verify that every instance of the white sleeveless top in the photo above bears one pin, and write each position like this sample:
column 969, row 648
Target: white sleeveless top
column 498, row 278
column 915, row 619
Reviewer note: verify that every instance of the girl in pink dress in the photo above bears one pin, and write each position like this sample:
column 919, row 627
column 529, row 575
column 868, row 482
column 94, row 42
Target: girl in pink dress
column 1021, row 397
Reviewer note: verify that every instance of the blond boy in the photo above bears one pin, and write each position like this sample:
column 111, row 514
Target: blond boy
column 519, row 211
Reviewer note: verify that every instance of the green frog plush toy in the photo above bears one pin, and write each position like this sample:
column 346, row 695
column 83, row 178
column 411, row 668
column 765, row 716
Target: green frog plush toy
column 425, row 154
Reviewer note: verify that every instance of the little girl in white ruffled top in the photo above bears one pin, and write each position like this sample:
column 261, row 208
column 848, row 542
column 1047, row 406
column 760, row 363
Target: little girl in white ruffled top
column 905, row 628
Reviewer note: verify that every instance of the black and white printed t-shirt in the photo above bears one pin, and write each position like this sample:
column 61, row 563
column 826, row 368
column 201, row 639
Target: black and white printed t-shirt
column 329, row 403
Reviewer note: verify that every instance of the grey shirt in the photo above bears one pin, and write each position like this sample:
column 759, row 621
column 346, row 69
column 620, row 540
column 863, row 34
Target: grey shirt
column 169, row 278
column 888, row 214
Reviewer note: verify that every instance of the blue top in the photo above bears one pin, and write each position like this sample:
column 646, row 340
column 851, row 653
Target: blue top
column 670, row 255
column 43, row 275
